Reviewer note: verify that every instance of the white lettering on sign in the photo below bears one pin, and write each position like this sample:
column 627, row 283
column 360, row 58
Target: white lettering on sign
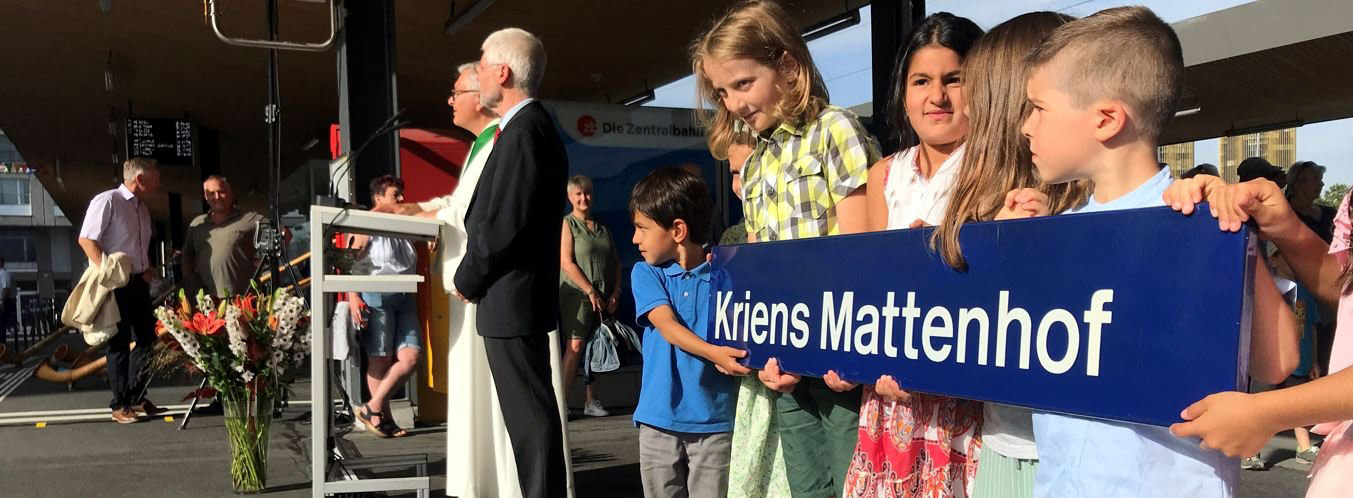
column 758, row 323
column 836, row 323
column 943, row 335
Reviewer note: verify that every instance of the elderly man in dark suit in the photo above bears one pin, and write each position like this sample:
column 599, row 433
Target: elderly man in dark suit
column 511, row 266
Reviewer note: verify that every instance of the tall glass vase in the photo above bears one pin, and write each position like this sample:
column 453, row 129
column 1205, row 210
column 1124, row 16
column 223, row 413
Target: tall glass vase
column 247, row 420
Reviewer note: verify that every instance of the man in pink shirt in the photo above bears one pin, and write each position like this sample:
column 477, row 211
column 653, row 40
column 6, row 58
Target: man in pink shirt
column 117, row 221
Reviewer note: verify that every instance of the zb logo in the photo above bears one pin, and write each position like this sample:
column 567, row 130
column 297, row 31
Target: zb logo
column 587, row 126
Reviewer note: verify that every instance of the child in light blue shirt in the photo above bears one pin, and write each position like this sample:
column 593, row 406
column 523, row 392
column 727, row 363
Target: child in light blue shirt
column 1102, row 89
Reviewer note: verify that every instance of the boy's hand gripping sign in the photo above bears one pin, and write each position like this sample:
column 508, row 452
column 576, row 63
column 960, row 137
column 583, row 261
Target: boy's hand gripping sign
column 1127, row 315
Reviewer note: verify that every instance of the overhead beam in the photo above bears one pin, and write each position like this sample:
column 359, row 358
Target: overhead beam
column 367, row 97
column 893, row 22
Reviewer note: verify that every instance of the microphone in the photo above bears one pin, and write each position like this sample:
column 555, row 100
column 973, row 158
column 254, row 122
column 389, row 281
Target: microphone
column 392, row 124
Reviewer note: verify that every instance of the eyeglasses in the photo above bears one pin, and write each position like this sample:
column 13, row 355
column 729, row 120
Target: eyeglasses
column 456, row 93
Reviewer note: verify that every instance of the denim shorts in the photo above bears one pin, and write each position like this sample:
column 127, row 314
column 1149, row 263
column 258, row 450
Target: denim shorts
column 392, row 323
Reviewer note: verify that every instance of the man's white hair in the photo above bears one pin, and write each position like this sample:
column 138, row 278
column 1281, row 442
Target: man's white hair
column 137, row 166
column 522, row 52
column 472, row 69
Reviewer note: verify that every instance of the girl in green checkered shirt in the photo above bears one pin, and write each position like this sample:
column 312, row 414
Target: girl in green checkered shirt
column 805, row 178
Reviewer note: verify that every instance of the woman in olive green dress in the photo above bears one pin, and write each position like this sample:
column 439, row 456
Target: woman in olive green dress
column 589, row 283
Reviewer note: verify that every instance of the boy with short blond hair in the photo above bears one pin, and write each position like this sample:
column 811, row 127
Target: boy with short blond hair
column 1103, row 88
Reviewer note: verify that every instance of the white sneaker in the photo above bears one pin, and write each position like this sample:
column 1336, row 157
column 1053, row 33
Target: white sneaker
column 594, row 409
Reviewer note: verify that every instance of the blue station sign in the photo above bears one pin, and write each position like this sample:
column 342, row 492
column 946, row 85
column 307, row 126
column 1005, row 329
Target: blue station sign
column 1127, row 315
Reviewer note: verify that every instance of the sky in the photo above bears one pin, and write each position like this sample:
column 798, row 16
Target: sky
column 844, row 59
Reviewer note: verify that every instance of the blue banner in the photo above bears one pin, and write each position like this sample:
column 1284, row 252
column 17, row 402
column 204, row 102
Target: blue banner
column 616, row 146
column 1126, row 315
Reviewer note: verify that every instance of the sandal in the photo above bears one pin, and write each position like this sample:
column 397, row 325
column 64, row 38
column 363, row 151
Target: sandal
column 394, row 430
column 364, row 414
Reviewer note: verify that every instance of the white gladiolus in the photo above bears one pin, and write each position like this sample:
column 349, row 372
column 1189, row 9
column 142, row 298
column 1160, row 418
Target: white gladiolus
column 288, row 311
column 275, row 362
column 184, row 337
column 237, row 337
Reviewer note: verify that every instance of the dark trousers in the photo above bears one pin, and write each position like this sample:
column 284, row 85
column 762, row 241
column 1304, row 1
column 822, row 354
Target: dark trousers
column 138, row 324
column 521, row 374
column 7, row 321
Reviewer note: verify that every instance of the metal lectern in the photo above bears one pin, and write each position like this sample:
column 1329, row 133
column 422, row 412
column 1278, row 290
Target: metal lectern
column 324, row 221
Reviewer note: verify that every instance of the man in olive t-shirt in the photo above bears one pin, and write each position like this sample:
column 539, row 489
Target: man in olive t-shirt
column 219, row 253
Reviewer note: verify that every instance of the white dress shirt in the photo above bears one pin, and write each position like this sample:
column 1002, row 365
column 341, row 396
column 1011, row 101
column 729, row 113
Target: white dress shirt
column 119, row 222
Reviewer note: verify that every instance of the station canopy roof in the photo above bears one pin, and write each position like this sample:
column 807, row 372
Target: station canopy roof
column 164, row 61
column 71, row 73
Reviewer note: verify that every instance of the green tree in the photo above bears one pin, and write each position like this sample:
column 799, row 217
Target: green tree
column 1333, row 195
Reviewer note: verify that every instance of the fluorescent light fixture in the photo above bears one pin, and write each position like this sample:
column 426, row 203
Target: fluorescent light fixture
column 1188, row 112
column 832, row 25
column 640, row 99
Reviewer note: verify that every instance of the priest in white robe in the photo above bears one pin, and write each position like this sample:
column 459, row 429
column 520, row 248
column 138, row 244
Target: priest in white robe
column 479, row 459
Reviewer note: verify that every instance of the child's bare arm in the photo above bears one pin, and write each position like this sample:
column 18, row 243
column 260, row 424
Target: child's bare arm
column 726, row 358
column 1314, row 267
column 1309, row 257
column 875, row 204
column 1240, row 424
column 1274, row 332
column 1263, row 202
column 852, row 213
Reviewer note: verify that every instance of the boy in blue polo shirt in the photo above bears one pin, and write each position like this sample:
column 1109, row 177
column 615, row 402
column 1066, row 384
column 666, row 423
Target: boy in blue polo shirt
column 685, row 412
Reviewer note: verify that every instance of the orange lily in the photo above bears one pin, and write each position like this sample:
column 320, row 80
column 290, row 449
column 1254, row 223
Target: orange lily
column 207, row 324
column 247, row 305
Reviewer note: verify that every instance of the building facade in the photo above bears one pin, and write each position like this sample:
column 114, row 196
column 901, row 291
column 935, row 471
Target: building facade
column 37, row 241
column 1179, row 156
column 1279, row 147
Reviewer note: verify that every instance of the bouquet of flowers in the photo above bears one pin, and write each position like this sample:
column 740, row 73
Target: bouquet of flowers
column 248, row 346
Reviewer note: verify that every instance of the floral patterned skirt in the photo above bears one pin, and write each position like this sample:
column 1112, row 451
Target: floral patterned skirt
column 926, row 447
